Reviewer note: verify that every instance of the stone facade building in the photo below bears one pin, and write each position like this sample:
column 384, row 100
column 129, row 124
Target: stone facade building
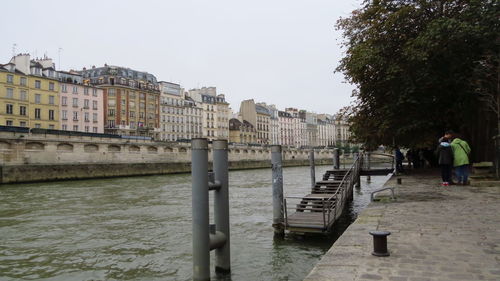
column 131, row 100
column 215, row 112
column 241, row 132
column 81, row 106
column 172, row 112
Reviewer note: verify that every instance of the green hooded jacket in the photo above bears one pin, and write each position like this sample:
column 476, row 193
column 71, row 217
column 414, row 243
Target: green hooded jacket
column 461, row 152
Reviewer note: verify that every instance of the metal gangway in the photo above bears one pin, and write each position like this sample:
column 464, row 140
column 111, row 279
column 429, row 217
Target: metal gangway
column 317, row 211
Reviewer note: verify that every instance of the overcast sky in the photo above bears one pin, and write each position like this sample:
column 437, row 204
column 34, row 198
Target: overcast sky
column 280, row 52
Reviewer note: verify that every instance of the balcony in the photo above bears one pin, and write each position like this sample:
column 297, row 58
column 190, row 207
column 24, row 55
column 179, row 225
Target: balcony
column 123, row 127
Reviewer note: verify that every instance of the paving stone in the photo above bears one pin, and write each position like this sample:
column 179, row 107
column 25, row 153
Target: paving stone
column 436, row 234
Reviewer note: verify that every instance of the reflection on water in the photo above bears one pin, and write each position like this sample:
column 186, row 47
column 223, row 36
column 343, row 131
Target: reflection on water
column 139, row 228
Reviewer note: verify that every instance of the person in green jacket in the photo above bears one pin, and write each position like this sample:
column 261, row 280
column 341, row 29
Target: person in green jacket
column 461, row 153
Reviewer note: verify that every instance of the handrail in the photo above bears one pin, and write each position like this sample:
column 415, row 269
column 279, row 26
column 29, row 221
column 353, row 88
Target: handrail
column 344, row 186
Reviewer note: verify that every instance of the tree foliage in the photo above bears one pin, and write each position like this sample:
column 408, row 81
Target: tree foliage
column 415, row 65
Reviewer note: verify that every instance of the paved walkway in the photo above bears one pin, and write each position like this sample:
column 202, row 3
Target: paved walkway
column 438, row 233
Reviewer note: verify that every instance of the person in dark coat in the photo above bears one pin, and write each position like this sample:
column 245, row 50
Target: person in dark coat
column 399, row 161
column 445, row 160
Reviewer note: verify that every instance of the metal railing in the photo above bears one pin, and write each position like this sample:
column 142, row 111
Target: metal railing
column 332, row 206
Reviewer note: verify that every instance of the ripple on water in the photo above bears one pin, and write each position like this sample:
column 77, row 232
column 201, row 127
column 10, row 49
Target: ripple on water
column 139, row 228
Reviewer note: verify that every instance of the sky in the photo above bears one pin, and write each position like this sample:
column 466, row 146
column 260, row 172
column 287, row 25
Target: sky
column 275, row 51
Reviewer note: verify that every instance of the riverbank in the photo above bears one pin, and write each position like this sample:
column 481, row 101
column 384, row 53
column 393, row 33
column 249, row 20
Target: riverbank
column 55, row 172
column 437, row 233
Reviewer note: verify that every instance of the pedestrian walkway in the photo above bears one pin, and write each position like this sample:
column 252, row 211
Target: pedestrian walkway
column 437, row 233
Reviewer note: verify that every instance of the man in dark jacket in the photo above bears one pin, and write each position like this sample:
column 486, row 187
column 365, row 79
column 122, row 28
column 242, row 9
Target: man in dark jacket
column 445, row 160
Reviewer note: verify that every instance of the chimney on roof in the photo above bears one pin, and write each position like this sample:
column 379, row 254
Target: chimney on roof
column 93, row 66
column 105, row 64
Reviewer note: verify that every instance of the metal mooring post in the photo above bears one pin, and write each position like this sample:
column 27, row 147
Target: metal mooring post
column 357, row 157
column 313, row 171
column 276, row 162
column 368, row 156
column 201, row 239
column 205, row 236
column 221, row 204
column 336, row 159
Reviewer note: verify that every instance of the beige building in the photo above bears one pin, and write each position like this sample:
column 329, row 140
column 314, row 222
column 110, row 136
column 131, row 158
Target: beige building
column 172, row 118
column 216, row 112
column 259, row 116
column 241, row 132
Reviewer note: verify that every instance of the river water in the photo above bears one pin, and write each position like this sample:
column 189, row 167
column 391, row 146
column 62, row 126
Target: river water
column 139, row 228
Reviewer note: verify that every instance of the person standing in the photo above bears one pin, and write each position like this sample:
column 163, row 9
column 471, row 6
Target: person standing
column 445, row 160
column 461, row 153
column 399, row 161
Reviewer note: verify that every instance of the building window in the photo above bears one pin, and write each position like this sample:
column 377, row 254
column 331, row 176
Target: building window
column 94, row 117
column 10, row 93
column 38, row 113
column 51, row 99
column 75, row 102
column 9, row 108
column 22, row 123
column 87, row 129
column 64, row 127
column 111, row 92
column 52, row 127
column 38, row 98
column 86, row 91
column 111, row 123
column 75, row 115
column 51, row 86
column 75, row 127
column 86, row 103
column 51, row 114
column 94, row 104
column 111, row 112
column 87, row 117
column 94, row 92
column 64, row 115
column 22, row 82
column 38, row 84
column 75, row 90
column 23, row 95
column 10, row 78
column 64, row 101
column 64, row 88
column 38, row 125
column 9, row 123
column 94, row 129
column 22, row 110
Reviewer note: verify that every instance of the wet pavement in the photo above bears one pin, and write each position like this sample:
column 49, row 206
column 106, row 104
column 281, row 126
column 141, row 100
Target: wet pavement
column 437, row 233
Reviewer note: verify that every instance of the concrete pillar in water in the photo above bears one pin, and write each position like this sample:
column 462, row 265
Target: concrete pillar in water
column 276, row 162
column 201, row 239
column 313, row 171
column 221, row 204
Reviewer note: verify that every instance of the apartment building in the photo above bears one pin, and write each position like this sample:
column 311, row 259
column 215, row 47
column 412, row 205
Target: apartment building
column 29, row 93
column 80, row 105
column 241, row 132
column 131, row 99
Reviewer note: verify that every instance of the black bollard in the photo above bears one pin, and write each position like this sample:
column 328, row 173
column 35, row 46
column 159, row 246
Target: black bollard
column 380, row 243
column 399, row 180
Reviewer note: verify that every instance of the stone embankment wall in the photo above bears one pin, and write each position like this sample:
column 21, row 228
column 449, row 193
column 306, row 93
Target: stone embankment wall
column 31, row 158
